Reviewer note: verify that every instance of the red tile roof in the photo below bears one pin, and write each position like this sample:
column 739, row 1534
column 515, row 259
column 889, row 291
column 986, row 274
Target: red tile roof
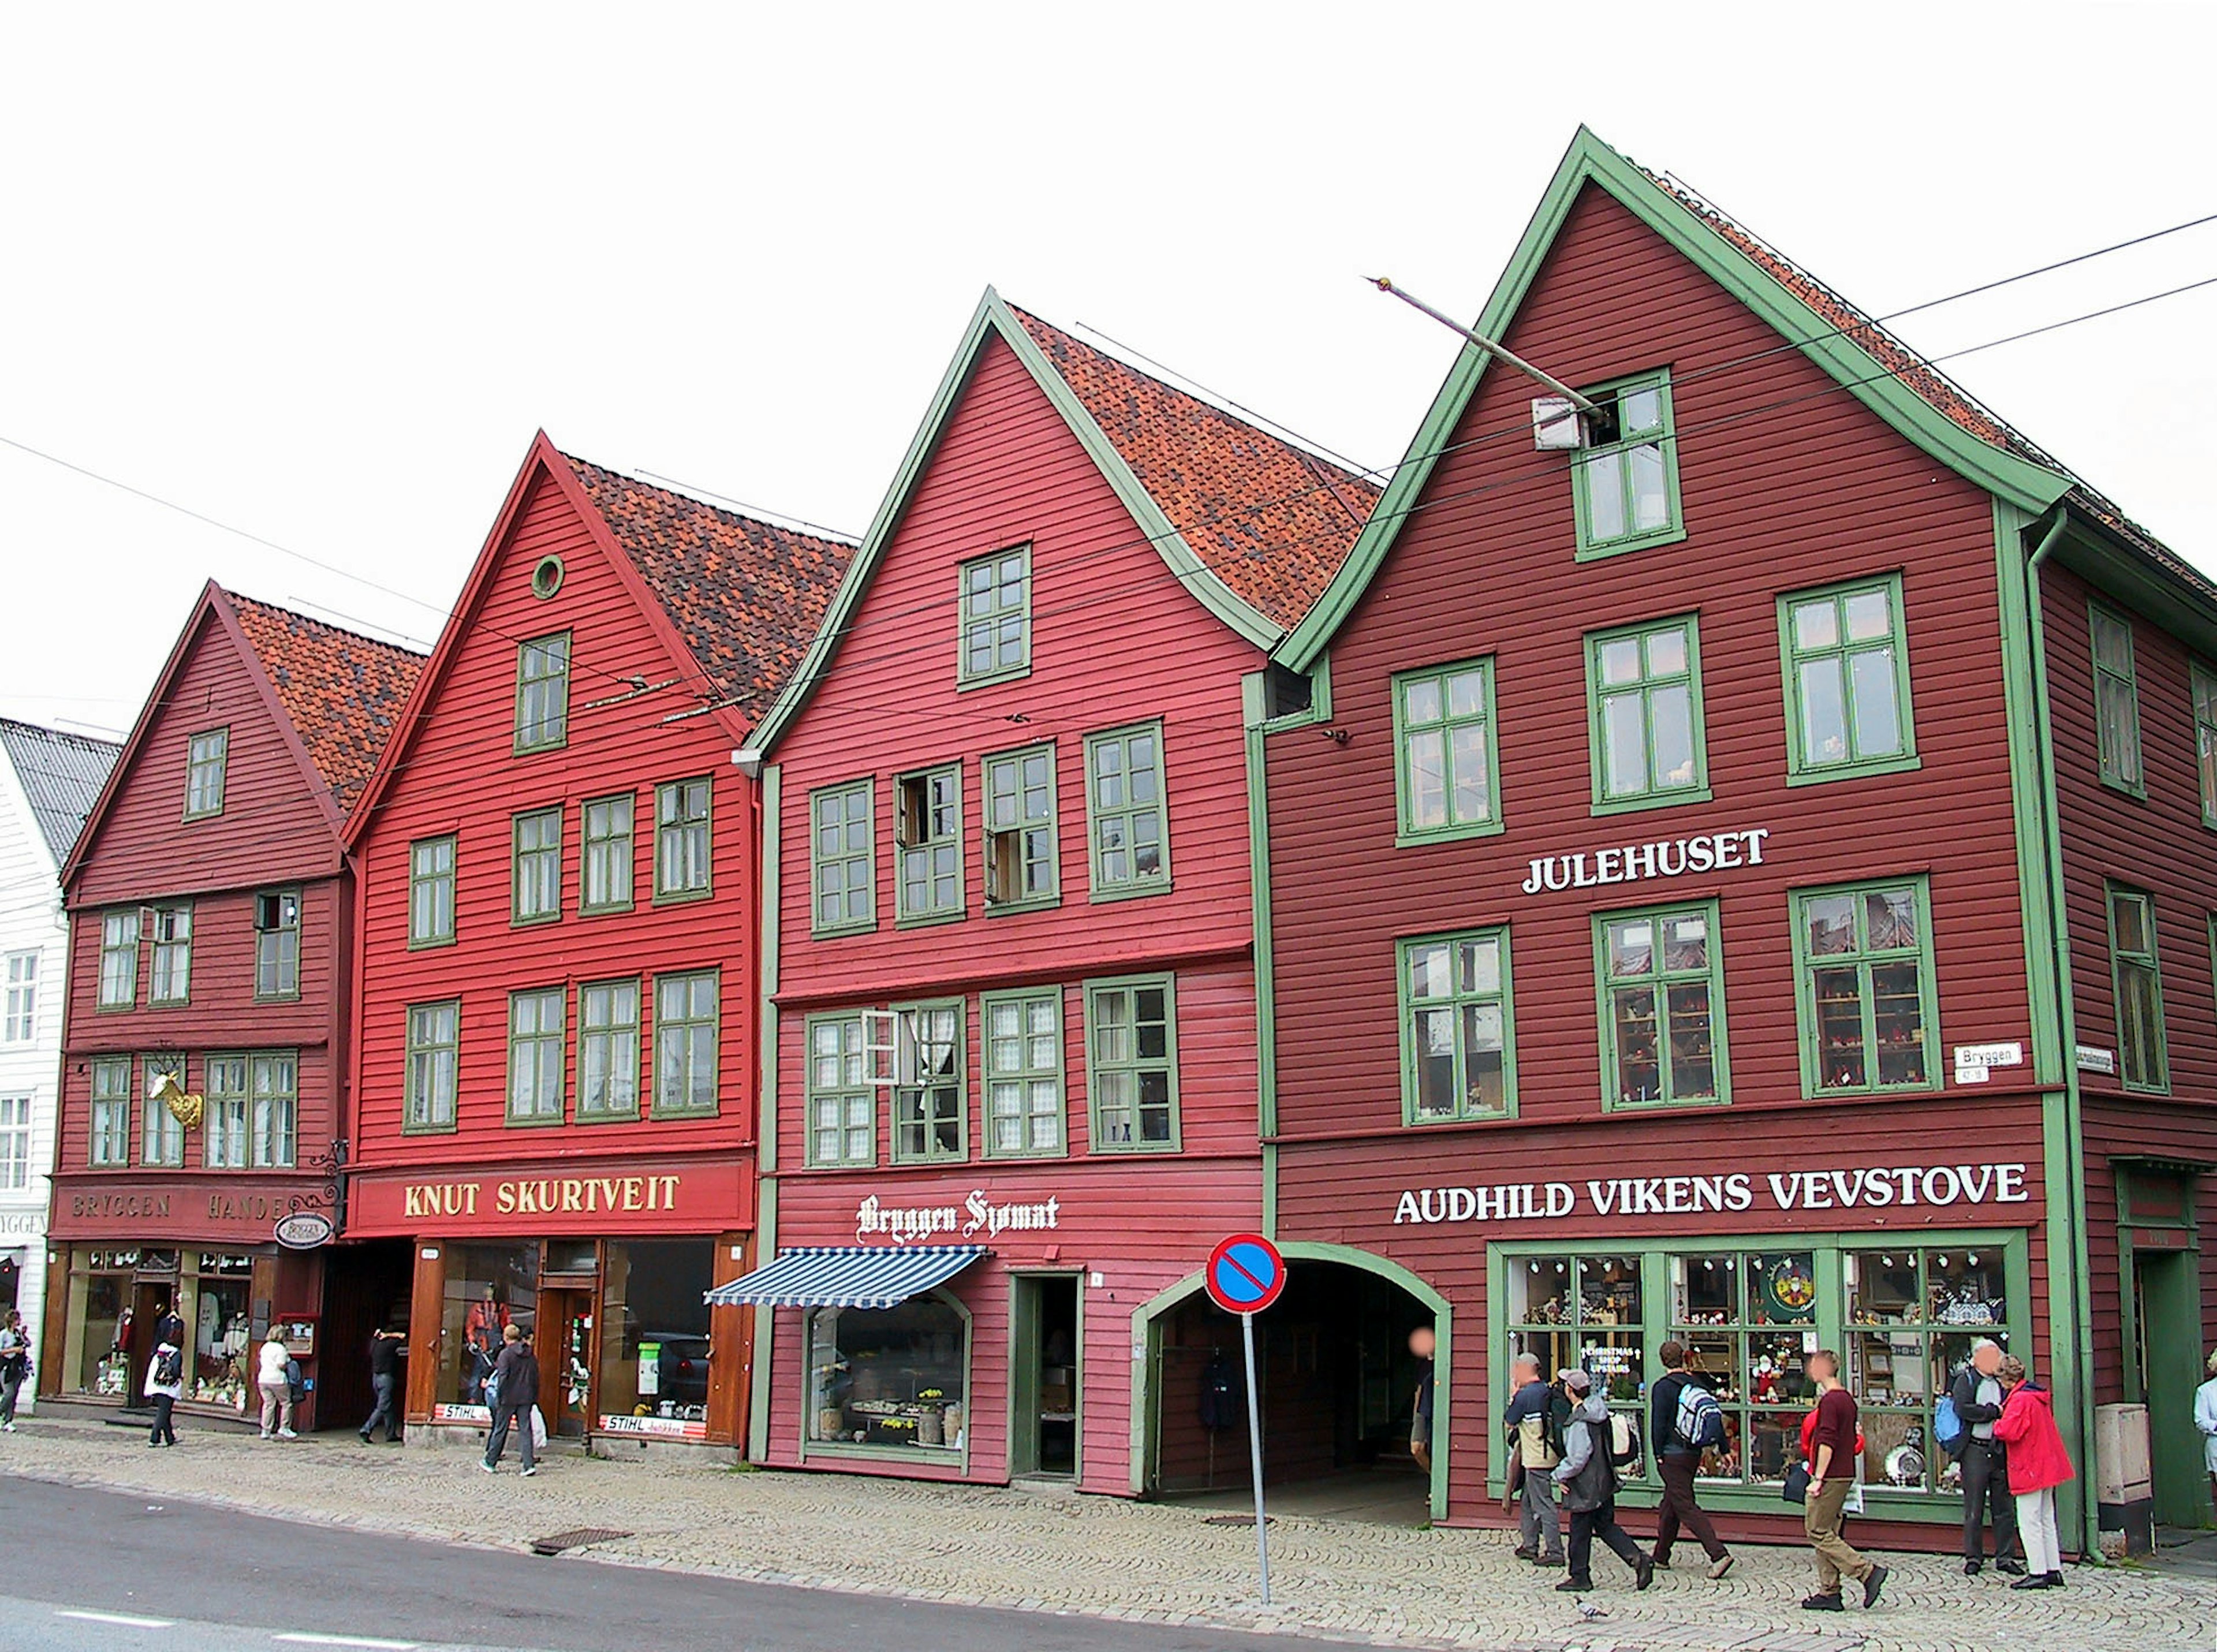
column 343, row 690
column 747, row 596
column 1271, row 520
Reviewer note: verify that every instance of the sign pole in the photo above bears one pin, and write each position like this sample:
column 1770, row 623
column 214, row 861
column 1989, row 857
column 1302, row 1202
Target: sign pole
column 1245, row 1274
column 1255, row 1454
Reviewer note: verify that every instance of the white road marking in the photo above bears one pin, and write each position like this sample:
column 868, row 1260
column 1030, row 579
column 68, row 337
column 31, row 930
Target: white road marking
column 119, row 1619
column 350, row 1640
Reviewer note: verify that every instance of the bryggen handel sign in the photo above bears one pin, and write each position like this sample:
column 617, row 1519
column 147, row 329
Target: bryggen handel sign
column 1938, row 1186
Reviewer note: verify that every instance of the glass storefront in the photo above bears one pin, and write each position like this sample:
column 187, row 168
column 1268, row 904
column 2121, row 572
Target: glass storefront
column 114, row 1292
column 1913, row 1315
column 488, row 1287
column 891, row 1379
column 223, row 1333
column 100, row 1325
column 654, row 1338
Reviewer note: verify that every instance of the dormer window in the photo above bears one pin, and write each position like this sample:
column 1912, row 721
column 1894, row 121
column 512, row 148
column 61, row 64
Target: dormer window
column 1626, row 477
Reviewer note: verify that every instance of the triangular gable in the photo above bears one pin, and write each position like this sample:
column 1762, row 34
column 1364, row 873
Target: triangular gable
column 59, row 776
column 1876, row 382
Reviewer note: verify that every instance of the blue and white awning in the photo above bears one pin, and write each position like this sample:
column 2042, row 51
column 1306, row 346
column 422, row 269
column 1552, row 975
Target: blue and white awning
column 847, row 1275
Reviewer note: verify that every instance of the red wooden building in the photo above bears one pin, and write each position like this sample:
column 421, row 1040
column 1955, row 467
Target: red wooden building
column 212, row 911
column 553, row 1114
column 1756, row 888
column 1010, row 990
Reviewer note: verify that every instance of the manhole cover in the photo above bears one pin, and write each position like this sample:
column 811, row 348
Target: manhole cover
column 580, row 1538
column 1238, row 1519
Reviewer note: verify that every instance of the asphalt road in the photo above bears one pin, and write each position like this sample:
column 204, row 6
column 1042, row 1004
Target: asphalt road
column 94, row 1571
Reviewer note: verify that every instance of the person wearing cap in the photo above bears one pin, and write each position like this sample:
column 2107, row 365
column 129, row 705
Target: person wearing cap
column 1588, row 1480
column 1533, row 1427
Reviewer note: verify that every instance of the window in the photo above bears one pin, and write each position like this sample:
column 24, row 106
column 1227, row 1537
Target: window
column 2116, row 700
column 534, row 891
column 1123, row 812
column 118, row 960
column 1644, row 686
column 1581, row 1312
column 1021, row 867
column 680, row 840
column 605, row 862
column 15, row 1142
column 1869, row 1020
column 1626, row 491
column 434, row 1045
column 608, row 1049
column 842, row 1103
column 927, row 1104
column 997, row 616
column 111, row 1111
column 1457, row 1057
column 1662, row 1007
column 276, row 1110
column 277, row 944
column 1742, row 1317
column 1443, row 750
column 542, row 693
column 431, row 891
column 1023, row 1072
column 2143, row 1059
column 1131, row 1028
column 205, row 758
column 2205, row 741
column 653, row 1342
column 685, row 1020
column 19, row 1016
column 1914, row 1313
column 535, row 1039
column 1847, row 681
column 223, row 1139
column 172, row 978
column 841, row 860
column 856, row 1403
column 164, row 1142
column 488, row 1287
column 929, row 845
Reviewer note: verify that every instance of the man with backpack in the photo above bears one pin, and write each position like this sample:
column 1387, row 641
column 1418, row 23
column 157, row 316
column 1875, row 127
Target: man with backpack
column 1590, row 1476
column 1977, row 1396
column 165, row 1386
column 15, row 1367
column 1534, row 1425
column 1684, row 1420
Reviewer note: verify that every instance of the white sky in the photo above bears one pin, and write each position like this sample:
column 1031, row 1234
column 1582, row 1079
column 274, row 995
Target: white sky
column 321, row 274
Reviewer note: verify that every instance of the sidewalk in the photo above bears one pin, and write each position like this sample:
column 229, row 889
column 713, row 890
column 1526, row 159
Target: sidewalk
column 1371, row 1585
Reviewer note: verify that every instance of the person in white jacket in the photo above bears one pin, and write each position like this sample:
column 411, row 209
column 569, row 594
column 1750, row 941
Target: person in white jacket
column 2205, row 1419
column 165, row 1386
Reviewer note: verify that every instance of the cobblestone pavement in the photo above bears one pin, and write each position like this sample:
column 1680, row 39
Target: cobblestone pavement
column 1372, row 1585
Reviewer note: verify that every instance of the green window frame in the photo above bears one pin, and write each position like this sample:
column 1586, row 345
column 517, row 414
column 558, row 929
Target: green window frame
column 277, row 945
column 688, row 1026
column 542, row 693
column 604, row 854
column 162, row 1143
column 1660, row 971
column 534, row 884
column 1868, row 1000
column 432, row 1068
column 2116, row 699
column 1644, row 703
column 608, row 1049
column 276, row 1082
column 108, row 1137
column 927, row 881
column 685, row 839
column 1131, row 1067
column 842, row 861
column 1625, row 482
column 842, row 1099
column 2205, row 741
column 118, row 959
column 1023, row 860
column 1126, row 812
column 931, row 1124
column 223, row 1122
column 1844, row 650
column 1445, row 757
column 1458, row 1027
column 537, row 1041
column 207, row 755
column 1020, row 1035
column 169, row 978
column 432, row 891
column 2136, row 979
column 996, row 642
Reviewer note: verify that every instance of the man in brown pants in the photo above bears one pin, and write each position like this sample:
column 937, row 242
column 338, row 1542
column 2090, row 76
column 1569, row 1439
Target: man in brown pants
column 1831, row 1477
column 1680, row 1460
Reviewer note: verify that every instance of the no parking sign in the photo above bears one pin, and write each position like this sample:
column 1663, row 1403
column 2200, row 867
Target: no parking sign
column 1245, row 1276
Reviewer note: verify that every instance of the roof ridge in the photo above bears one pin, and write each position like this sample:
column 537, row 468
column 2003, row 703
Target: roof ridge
column 327, row 625
column 51, row 733
column 706, row 502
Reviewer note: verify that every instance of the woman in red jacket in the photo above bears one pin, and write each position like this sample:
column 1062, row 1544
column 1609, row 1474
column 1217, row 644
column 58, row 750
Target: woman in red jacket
column 2037, row 1465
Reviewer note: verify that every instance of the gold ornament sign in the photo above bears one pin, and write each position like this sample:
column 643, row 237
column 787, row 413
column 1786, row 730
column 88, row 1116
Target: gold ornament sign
column 185, row 1106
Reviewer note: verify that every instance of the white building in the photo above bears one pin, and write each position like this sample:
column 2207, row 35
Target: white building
column 49, row 783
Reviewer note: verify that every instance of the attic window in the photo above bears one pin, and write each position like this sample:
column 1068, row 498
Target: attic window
column 1625, row 481
column 547, row 577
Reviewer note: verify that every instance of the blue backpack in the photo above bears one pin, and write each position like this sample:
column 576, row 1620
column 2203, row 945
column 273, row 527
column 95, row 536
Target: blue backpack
column 1701, row 1421
column 1947, row 1426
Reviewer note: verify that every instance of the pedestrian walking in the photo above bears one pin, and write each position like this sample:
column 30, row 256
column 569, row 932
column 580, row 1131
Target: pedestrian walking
column 385, row 1382
column 1831, row 1477
column 2037, row 1464
column 1423, row 1344
column 2205, row 1419
column 15, row 1367
column 1977, row 1396
column 1588, row 1474
column 275, row 1382
column 165, row 1386
column 515, row 1393
column 1534, row 1424
column 1684, row 1420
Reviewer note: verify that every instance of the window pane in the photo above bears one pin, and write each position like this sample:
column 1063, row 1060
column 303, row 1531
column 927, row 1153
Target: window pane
column 1619, row 660
column 1428, row 791
column 1840, row 1029
column 1428, row 972
column 1640, row 412
column 1878, row 723
column 1420, row 700
column 1651, row 502
column 1625, row 754
column 1673, row 710
column 1473, row 786
column 1870, row 615
column 1830, row 923
column 1666, row 652
column 2129, row 920
column 1481, row 965
column 1824, row 711
column 1815, row 624
column 1890, row 919
column 1604, row 473
column 1466, row 694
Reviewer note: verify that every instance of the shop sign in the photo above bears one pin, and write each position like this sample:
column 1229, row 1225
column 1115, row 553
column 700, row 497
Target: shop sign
column 304, row 1230
column 1905, row 1185
column 622, row 1196
column 542, row 1195
column 1974, row 1063
column 149, row 1206
column 476, row 1414
column 23, row 1222
column 2093, row 1058
column 976, row 1215
column 654, row 1428
column 1718, row 851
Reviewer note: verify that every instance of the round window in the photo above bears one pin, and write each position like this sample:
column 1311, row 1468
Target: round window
column 547, row 577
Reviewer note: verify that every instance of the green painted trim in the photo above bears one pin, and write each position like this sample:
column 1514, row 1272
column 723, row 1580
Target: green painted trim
column 527, row 1121
column 1020, row 997
column 1406, row 835
column 610, row 1115
column 1147, row 1338
column 1813, row 1088
column 1052, row 896
column 1096, row 1065
column 2027, row 485
column 522, row 746
column 222, row 771
column 2113, row 774
column 949, row 1457
column 1270, row 1190
column 1720, row 1039
column 2159, row 1084
column 1454, row 1003
column 961, row 1153
column 2201, row 702
column 2051, row 1050
column 1799, row 771
column 653, row 1098
column 1674, row 526
column 763, row 1323
column 964, row 677
column 771, row 786
column 587, row 842
column 867, row 785
column 1654, row 796
column 809, row 1092
column 904, row 917
column 662, row 897
column 410, row 1049
column 516, row 917
column 1320, row 706
column 453, row 878
column 1155, row 883
column 1265, row 953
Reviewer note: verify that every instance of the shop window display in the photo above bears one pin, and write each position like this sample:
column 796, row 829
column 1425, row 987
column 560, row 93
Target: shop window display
column 1746, row 1318
column 1581, row 1311
column 654, row 1338
column 103, row 1329
column 1912, row 1316
column 223, row 1338
column 488, row 1287
column 893, row 1379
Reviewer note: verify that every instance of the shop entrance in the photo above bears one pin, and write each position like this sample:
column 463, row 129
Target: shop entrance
column 366, row 1290
column 149, row 1297
column 1044, row 1377
column 566, row 1361
column 2167, row 1311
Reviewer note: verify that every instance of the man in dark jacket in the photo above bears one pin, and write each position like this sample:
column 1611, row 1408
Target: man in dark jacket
column 1534, row 1425
column 1588, row 1480
column 385, row 1382
column 1977, row 1395
column 1680, row 1459
column 515, row 1392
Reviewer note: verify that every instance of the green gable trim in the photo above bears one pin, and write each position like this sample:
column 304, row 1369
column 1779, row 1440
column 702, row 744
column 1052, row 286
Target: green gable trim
column 2031, row 487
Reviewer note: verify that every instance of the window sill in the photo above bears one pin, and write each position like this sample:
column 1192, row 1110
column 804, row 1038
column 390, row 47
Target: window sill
column 116, row 1009
column 1689, row 1106
column 1866, row 1092
column 1507, row 1116
column 612, row 909
column 938, row 1457
column 169, row 1004
column 1640, row 804
column 447, row 1128
column 1134, row 1149
column 934, row 1162
column 1027, row 1156
column 1646, row 541
column 562, row 744
column 431, row 945
column 1855, row 770
column 681, row 897
column 1405, row 839
column 277, row 998
column 963, row 684
column 554, row 1123
column 2143, row 1089
column 927, row 920
column 585, row 1117
column 535, row 923
column 2124, row 789
column 834, row 1166
column 1035, row 903
column 1138, row 892
column 834, row 931
column 657, row 1115
column 189, row 816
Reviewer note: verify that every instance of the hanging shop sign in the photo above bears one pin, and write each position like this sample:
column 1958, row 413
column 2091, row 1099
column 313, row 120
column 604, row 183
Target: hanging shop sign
column 1799, row 1191
column 1718, row 851
column 976, row 1215
column 304, row 1230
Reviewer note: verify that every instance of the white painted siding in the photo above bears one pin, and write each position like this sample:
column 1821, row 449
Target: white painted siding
column 31, row 921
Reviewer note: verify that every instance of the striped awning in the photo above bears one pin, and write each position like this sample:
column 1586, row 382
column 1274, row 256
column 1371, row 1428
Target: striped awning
column 847, row 1275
